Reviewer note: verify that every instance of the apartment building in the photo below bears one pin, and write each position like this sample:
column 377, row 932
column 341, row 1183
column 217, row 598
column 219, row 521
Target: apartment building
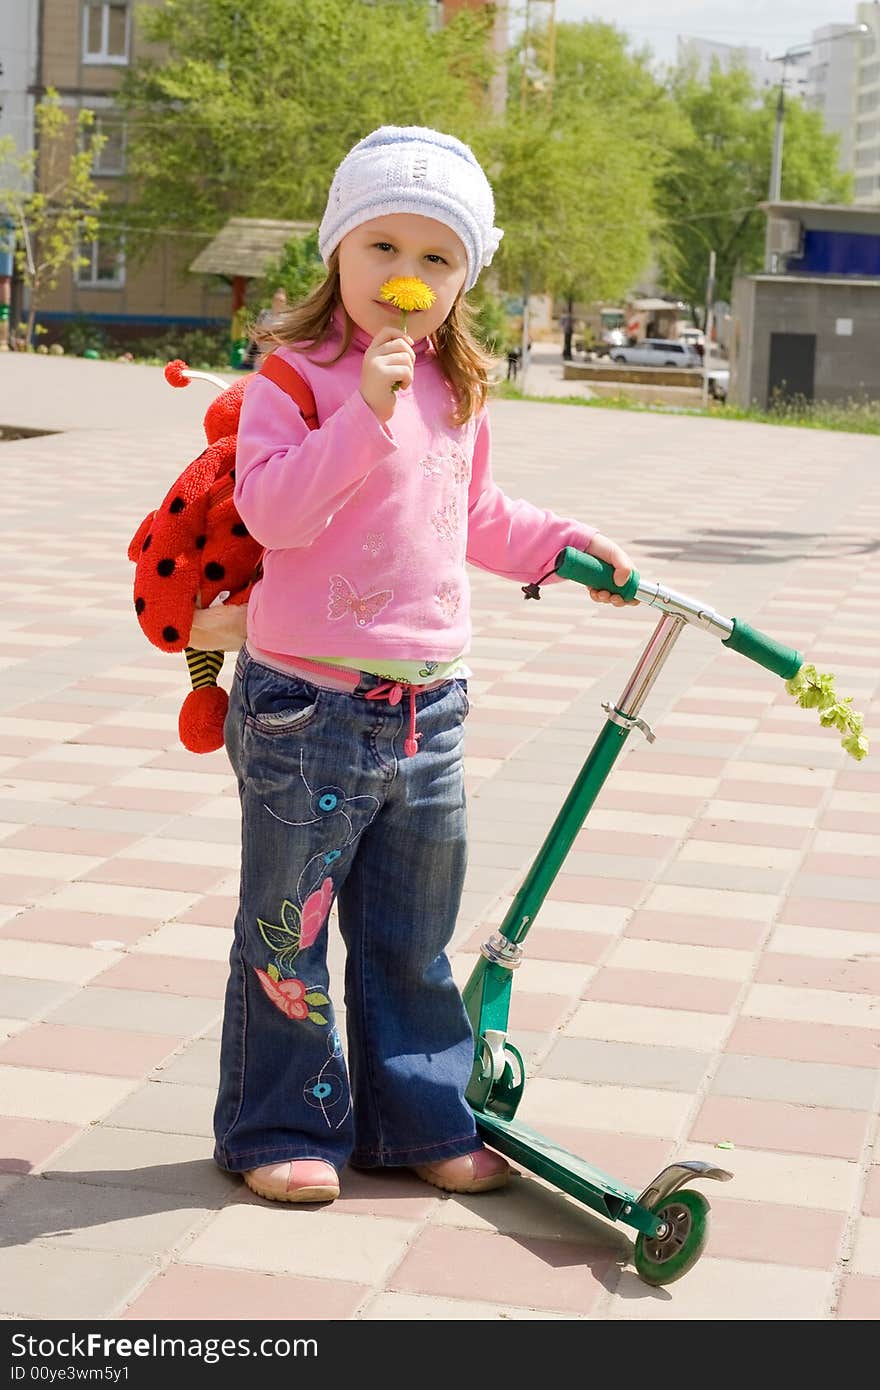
column 866, row 109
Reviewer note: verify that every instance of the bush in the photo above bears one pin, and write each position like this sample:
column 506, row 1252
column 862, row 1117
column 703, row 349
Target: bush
column 204, row 348
column 491, row 322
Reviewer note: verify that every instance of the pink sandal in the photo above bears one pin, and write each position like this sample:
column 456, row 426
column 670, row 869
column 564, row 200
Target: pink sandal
column 477, row 1171
column 299, row 1180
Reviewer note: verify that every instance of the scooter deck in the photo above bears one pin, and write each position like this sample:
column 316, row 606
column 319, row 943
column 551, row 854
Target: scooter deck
column 563, row 1169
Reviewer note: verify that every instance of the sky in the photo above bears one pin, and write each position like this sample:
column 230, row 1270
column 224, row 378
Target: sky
column 771, row 25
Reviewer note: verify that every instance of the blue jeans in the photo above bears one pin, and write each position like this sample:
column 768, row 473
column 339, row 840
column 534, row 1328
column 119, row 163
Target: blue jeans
column 331, row 808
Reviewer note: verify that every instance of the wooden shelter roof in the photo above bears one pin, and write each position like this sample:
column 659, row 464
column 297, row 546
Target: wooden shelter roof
column 247, row 245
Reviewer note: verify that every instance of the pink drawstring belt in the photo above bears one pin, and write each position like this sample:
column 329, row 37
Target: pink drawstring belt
column 392, row 691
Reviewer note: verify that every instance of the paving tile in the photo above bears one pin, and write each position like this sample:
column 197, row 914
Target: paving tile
column 179, row 975
column 105, row 899
column 801, row 1180
column 826, row 943
column 73, row 928
column 147, row 873
column 631, row 1159
column 785, row 1128
column 747, row 1291
column 734, row 832
column 818, row 972
column 820, row 912
column 713, row 902
column 623, row 1064
column 192, row 942
column 771, row 1233
column 618, row 892
column 197, row 1065
column 814, row 1006
column 143, row 1011
column 246, row 1236
column 98, row 1050
column 36, row 960
column 692, row 929
column 71, row 1097
column 21, row 998
column 156, row 1161
column 871, row 1199
column 632, row 1023
column 805, row 1042
column 176, row 1109
column 199, row 1293
column 211, row 911
column 82, row 1216
column 674, row 958
column 561, row 1275
column 25, row 1144
column 26, row 891
column 549, row 943
column 68, row 841
column 798, row 1082
column 401, row 1307
column 859, row 1298
column 38, row 1281
column 662, row 990
column 866, row 1250
column 624, row 1109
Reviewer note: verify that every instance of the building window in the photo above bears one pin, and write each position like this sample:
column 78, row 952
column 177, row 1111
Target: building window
column 869, row 75
column 106, row 31
column 869, row 102
column 864, row 158
column 867, row 130
column 102, row 266
column 110, row 159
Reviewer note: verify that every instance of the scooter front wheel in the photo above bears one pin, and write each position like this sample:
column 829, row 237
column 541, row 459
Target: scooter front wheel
column 663, row 1258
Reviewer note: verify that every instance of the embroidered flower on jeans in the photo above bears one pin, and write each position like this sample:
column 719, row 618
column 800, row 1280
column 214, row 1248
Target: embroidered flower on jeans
column 445, row 521
column 291, row 996
column 449, row 599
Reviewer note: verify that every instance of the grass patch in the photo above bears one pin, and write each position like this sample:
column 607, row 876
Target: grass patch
column 850, row 417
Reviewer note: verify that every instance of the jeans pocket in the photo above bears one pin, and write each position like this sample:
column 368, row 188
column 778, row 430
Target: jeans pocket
column 277, row 704
column 463, row 692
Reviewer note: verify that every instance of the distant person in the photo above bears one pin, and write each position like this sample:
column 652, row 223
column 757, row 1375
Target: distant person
column 264, row 317
column 566, row 323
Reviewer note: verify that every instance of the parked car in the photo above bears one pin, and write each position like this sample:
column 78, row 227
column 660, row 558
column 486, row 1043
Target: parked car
column 718, row 382
column 658, row 352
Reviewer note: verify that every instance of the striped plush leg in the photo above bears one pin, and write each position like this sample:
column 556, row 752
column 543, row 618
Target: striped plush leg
column 204, row 667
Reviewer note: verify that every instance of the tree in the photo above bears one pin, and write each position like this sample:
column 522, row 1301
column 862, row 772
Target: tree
column 254, row 105
column 298, row 270
column 721, row 170
column 60, row 214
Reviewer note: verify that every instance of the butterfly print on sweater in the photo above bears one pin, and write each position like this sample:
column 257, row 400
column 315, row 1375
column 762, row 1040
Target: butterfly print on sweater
column 344, row 601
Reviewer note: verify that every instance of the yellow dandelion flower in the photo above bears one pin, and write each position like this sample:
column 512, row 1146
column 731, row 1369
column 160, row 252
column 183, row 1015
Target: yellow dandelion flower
column 408, row 293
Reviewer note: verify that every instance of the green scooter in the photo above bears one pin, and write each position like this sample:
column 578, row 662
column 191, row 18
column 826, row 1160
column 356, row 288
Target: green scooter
column 672, row 1220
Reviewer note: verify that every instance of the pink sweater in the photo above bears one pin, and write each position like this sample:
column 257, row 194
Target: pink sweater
column 367, row 526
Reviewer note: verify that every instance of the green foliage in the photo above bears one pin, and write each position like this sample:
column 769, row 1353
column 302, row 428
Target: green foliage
column 202, row 348
column 720, row 171
column 491, row 323
column 80, row 333
column 253, row 106
column 60, row 213
column 298, row 270
column 813, row 690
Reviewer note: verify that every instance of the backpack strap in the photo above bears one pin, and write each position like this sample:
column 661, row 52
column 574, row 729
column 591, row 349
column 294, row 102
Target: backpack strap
column 288, row 379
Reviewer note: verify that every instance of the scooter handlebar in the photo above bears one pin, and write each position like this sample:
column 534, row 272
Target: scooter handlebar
column 740, row 637
column 596, row 574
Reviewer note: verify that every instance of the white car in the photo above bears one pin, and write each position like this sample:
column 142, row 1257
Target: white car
column 658, row 352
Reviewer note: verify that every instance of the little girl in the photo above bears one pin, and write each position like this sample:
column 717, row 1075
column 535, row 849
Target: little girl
column 347, row 707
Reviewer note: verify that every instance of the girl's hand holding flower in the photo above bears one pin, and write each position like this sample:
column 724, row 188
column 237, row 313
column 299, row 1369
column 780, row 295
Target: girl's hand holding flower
column 389, row 362
column 408, row 294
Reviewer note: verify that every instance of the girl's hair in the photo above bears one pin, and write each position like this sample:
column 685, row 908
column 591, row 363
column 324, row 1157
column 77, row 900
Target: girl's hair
column 461, row 358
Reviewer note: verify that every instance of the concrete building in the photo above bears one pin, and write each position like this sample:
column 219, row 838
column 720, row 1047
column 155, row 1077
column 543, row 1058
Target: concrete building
column 811, row 329
column 866, row 109
column 18, row 73
column 702, row 53
column 832, row 72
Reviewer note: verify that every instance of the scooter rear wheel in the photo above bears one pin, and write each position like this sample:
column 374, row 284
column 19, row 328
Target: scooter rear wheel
column 663, row 1258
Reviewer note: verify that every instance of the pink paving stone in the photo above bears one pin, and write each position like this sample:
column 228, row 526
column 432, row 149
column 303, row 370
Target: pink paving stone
column 33, row 770
column 554, row 943
column 211, row 912
column 849, row 865
column 781, row 1127
column 859, row 1299
column 538, row 1013
column 858, row 822
column 17, row 747
column 646, row 802
column 632, row 1159
column 392, row 1192
column 736, row 832
column 56, row 629
column 205, row 979
column 25, row 1144
column 63, row 840
column 563, row 1276
column 732, row 738
column 732, row 707
column 623, row 842
column 148, row 873
column 15, row 889
column 806, row 1042
column 773, row 793
column 825, row 912
column 572, row 888
column 810, row 972
column 203, row 1294
column 661, row 990
column 871, row 1199
column 117, row 687
column 680, row 766
column 128, row 737
column 98, row 1050
column 143, row 799
column 773, row 1234
column 690, row 929
column 70, row 712
column 181, row 760
column 74, row 928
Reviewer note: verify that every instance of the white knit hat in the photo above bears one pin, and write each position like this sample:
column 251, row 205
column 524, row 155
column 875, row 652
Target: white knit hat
column 413, row 169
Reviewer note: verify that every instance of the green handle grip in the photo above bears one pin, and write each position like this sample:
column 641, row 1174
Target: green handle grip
column 781, row 660
column 596, row 574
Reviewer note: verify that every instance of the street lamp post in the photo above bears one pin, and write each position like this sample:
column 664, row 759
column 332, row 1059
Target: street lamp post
column 775, row 190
